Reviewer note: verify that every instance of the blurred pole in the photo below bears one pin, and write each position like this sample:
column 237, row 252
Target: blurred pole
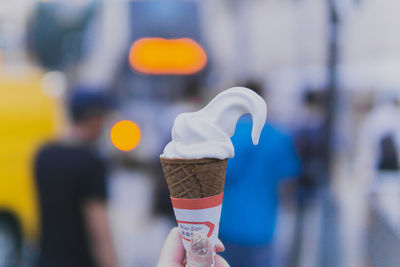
column 329, row 249
column 331, row 92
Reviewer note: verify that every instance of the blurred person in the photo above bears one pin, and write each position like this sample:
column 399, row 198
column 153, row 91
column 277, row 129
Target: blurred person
column 309, row 139
column 378, row 141
column 376, row 176
column 139, row 197
column 199, row 255
column 250, row 207
column 71, row 182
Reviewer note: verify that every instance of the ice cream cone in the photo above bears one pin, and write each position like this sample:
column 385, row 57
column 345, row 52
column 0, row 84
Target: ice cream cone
column 194, row 178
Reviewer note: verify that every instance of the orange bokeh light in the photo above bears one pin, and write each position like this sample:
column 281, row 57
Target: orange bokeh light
column 125, row 135
column 167, row 56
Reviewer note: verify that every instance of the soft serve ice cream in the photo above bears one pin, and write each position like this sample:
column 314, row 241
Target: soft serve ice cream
column 206, row 133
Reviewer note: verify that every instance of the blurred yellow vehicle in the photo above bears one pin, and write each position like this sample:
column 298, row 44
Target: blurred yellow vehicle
column 28, row 117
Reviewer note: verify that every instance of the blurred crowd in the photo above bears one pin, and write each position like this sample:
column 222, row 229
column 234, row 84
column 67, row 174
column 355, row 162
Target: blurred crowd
column 320, row 189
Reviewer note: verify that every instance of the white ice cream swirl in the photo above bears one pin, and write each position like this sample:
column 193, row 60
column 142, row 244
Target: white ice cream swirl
column 206, row 133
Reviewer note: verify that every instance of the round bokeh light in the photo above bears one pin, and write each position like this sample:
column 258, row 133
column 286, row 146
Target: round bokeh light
column 125, row 135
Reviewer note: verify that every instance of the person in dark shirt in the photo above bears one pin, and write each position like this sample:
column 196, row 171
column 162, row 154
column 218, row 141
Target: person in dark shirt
column 71, row 183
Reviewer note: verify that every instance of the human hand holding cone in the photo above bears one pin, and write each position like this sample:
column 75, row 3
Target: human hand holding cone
column 194, row 162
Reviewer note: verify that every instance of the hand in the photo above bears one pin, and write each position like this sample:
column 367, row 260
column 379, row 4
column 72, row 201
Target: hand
column 199, row 255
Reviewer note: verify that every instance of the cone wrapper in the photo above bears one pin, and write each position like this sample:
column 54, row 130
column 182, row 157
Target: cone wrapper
column 196, row 188
column 198, row 215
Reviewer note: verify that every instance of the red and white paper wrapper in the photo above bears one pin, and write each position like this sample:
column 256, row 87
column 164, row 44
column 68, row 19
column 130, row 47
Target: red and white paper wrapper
column 198, row 215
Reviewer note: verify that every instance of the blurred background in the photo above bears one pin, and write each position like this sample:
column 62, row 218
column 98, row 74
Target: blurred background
column 329, row 71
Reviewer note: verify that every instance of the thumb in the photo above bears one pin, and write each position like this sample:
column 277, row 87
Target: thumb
column 200, row 253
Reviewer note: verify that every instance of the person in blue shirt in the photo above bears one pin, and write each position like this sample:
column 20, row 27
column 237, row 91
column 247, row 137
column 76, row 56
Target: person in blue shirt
column 249, row 210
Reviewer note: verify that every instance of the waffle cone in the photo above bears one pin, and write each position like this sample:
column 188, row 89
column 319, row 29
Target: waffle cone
column 194, row 178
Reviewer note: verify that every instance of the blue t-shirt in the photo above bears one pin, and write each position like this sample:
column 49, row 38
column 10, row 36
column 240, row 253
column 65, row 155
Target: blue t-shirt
column 250, row 204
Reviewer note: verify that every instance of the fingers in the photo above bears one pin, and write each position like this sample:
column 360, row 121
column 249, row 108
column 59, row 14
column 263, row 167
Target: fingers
column 200, row 253
column 173, row 251
column 220, row 262
column 220, row 246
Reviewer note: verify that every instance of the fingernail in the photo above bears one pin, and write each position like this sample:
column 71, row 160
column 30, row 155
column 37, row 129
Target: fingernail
column 220, row 244
column 199, row 244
